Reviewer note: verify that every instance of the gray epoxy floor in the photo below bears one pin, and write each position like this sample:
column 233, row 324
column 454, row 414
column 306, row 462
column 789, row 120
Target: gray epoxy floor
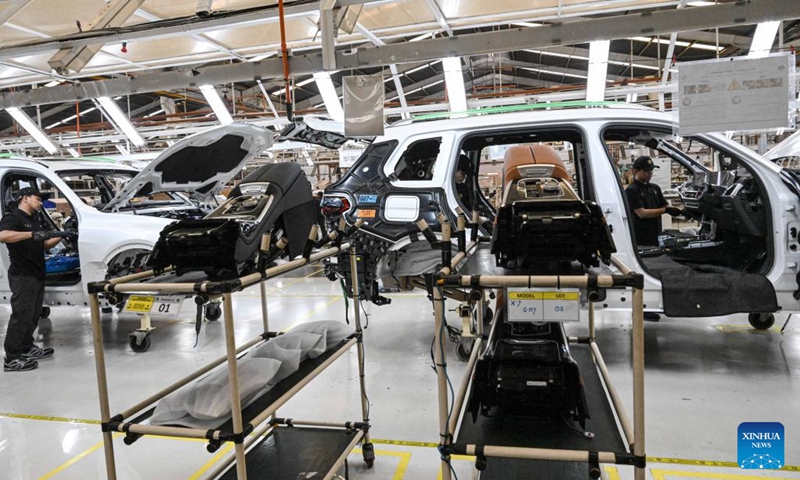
column 703, row 378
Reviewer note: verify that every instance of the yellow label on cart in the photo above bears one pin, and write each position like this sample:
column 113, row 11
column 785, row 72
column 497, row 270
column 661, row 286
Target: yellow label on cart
column 574, row 296
column 139, row 303
column 525, row 295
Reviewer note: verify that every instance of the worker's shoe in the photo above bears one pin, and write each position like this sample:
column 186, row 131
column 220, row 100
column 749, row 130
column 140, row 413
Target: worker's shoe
column 19, row 365
column 37, row 353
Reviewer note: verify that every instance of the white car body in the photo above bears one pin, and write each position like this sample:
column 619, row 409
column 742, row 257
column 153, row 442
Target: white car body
column 606, row 188
column 103, row 235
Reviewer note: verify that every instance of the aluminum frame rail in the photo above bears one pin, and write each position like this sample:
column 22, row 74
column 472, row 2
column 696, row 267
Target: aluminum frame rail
column 242, row 434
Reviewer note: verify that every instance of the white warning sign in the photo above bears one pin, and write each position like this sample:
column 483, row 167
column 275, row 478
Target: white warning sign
column 734, row 94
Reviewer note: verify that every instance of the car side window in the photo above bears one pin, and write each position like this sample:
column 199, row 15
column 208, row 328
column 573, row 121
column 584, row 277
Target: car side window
column 418, row 160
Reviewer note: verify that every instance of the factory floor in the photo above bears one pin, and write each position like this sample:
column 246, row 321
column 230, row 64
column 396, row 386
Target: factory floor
column 703, row 378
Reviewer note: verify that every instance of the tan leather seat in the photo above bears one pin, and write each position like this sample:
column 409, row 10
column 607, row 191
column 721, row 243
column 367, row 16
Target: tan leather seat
column 520, row 155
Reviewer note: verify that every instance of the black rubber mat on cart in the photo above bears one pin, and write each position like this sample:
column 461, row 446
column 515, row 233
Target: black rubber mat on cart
column 515, row 431
column 291, row 453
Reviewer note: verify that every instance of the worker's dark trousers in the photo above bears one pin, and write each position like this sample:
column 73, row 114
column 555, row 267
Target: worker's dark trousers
column 27, row 295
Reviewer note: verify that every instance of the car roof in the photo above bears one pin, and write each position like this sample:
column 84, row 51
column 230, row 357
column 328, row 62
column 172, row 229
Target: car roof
column 604, row 111
column 62, row 165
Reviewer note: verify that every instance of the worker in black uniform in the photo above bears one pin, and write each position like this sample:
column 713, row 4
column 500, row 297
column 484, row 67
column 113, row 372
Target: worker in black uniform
column 647, row 203
column 27, row 241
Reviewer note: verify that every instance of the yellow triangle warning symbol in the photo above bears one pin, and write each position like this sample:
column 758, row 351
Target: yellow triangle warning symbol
column 734, row 86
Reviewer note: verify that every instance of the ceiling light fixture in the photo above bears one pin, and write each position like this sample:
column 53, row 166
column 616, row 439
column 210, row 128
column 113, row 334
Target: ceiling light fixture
column 763, row 39
column 598, row 68
column 120, row 120
column 25, row 121
column 454, row 83
column 216, row 103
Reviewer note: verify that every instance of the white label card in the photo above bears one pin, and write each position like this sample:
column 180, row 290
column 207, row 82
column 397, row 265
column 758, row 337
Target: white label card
column 532, row 305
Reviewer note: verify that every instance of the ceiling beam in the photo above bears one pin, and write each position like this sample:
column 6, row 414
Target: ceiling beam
column 112, row 15
column 11, row 10
column 659, row 22
column 439, row 15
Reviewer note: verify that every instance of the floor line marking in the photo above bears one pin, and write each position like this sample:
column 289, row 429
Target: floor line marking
column 292, row 282
column 405, row 459
column 663, row 474
column 76, row 458
column 210, row 463
column 709, row 463
column 613, row 473
column 45, row 418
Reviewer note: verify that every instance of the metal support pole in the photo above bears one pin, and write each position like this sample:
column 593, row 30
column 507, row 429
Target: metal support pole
column 233, row 379
column 591, row 322
column 264, row 313
column 102, row 385
column 327, row 33
column 360, row 346
column 638, row 378
column 440, row 357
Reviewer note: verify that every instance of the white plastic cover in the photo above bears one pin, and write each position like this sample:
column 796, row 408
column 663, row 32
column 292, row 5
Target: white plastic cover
column 401, row 208
column 206, row 402
column 363, row 105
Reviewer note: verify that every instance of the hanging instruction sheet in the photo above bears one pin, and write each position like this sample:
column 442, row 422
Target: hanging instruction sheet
column 735, row 94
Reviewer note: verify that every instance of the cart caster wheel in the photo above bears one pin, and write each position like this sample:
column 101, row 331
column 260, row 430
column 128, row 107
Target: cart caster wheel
column 488, row 315
column 213, row 312
column 106, row 309
column 761, row 321
column 462, row 353
column 140, row 347
column 368, row 450
column 45, row 313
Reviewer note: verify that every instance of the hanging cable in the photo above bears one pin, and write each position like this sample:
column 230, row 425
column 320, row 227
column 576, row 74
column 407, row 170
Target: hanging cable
column 285, row 55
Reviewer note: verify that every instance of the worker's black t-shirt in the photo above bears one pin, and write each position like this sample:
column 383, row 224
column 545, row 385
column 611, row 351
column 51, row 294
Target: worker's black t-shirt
column 647, row 196
column 27, row 256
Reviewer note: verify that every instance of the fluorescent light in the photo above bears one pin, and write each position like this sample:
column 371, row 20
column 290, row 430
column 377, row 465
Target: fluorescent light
column 216, row 103
column 73, row 152
column 329, row 95
column 23, row 119
column 527, row 24
column 258, row 58
column 763, row 39
column 454, row 82
column 553, row 72
column 53, row 83
column 598, row 68
column 120, row 120
column 679, row 43
column 580, row 57
column 421, row 37
column 154, row 113
column 282, row 90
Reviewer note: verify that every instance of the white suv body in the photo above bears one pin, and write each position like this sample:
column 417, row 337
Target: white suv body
column 394, row 184
column 124, row 228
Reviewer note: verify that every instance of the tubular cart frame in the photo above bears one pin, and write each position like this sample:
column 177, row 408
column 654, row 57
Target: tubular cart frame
column 243, row 433
column 444, row 281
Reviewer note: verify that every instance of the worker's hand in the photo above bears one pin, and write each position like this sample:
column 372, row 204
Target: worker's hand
column 675, row 212
column 71, row 234
column 43, row 235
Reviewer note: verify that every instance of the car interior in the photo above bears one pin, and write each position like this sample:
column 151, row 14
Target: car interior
column 726, row 221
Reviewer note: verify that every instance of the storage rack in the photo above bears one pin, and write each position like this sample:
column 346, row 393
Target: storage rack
column 251, row 439
column 545, row 451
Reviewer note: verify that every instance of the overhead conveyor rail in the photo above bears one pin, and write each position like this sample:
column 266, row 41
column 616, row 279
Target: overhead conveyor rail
column 545, row 448
column 253, row 430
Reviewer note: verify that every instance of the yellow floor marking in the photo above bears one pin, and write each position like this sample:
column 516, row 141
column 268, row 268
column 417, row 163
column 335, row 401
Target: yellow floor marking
column 613, row 473
column 710, row 463
column 469, row 458
column 76, row 458
column 222, row 452
column 405, row 458
column 309, row 314
column 663, row 474
column 49, row 419
column 292, row 282
column 405, row 443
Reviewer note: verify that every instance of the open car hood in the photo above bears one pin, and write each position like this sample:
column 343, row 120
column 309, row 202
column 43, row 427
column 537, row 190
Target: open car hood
column 318, row 131
column 790, row 147
column 201, row 164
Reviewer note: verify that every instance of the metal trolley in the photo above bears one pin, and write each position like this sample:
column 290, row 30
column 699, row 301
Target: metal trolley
column 255, row 430
column 515, row 448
